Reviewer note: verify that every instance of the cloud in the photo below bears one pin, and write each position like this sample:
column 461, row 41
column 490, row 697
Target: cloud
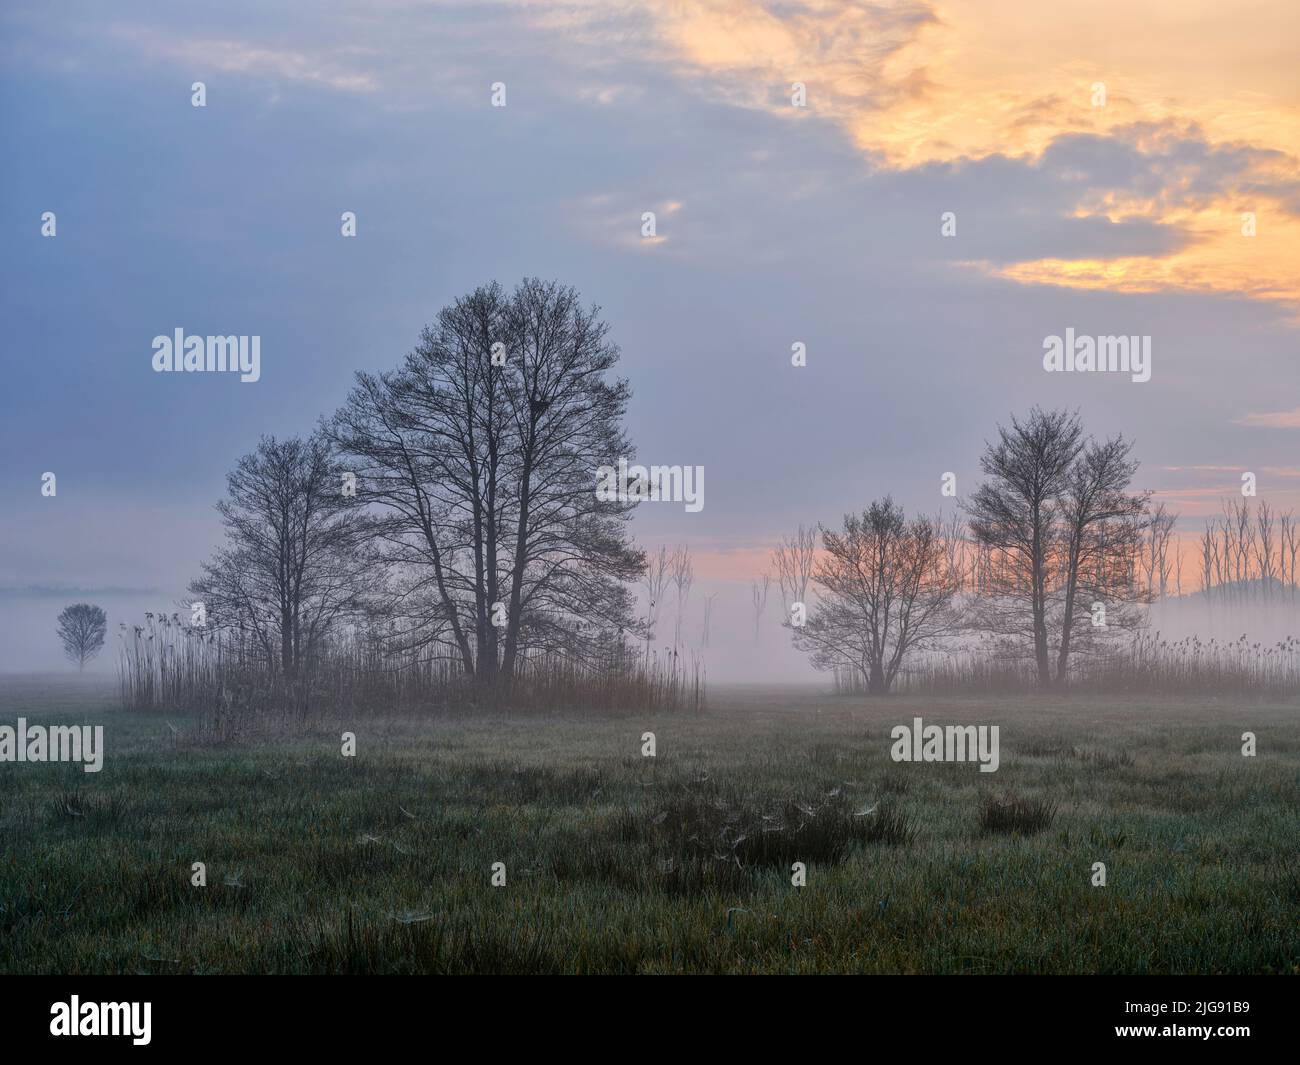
column 920, row 82
column 1134, row 136
column 1139, row 163
column 1282, row 419
column 244, row 57
column 45, row 591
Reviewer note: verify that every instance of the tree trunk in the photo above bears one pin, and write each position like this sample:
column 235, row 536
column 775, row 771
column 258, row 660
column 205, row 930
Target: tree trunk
column 1039, row 606
column 876, row 684
column 286, row 641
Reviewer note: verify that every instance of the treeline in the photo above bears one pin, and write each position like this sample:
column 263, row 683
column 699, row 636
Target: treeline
column 1042, row 580
column 1250, row 557
column 438, row 542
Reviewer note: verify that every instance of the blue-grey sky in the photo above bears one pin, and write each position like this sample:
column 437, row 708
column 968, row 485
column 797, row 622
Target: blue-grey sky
column 777, row 225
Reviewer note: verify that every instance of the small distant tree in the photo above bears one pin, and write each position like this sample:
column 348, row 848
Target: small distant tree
column 82, row 628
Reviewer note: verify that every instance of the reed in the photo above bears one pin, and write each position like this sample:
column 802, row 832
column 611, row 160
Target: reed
column 223, row 679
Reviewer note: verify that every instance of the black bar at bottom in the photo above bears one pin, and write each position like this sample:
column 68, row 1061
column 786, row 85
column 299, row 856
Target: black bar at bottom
column 238, row 1014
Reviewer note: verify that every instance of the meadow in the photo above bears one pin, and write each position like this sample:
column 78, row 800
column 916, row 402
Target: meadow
column 620, row 863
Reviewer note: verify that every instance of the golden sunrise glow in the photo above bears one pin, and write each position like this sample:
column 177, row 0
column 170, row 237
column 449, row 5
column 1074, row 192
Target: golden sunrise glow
column 914, row 84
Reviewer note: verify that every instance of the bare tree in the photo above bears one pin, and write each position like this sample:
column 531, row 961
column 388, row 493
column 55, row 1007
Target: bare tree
column 291, row 567
column 1234, row 553
column 1288, row 547
column 962, row 558
column 479, row 455
column 1155, row 560
column 1015, row 513
column 885, row 590
column 1209, row 548
column 654, row 580
column 793, row 560
column 1265, row 563
column 708, row 617
column 81, row 630
column 1219, row 560
column 683, row 576
column 1103, row 525
column 1057, row 515
column 758, row 588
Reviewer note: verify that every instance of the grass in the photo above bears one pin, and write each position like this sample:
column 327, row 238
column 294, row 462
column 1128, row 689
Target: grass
column 680, row 863
column 1015, row 815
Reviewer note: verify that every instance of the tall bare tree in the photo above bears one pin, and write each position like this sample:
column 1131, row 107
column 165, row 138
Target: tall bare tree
column 1056, row 513
column 1015, row 515
column 1102, row 526
column 479, row 456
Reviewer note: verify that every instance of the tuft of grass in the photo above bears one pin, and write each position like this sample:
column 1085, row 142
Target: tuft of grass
column 1045, row 747
column 701, row 824
column 1012, row 814
column 75, row 807
column 531, row 783
column 1101, row 838
column 1103, row 759
column 893, row 784
column 890, row 825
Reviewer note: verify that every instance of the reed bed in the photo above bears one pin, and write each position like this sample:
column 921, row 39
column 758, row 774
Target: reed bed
column 223, row 680
column 1148, row 664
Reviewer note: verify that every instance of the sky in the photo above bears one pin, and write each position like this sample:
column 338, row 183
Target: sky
column 1098, row 161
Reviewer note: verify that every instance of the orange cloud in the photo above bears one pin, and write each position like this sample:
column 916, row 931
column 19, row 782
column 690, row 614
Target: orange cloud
column 914, row 83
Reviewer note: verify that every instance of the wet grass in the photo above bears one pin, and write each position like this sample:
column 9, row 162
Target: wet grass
column 316, row 863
